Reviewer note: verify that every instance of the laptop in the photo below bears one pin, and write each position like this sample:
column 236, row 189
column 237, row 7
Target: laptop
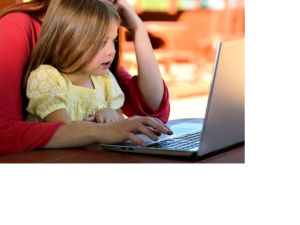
column 224, row 122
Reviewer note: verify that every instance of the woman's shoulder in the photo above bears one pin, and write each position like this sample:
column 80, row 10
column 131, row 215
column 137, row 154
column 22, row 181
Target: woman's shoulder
column 21, row 19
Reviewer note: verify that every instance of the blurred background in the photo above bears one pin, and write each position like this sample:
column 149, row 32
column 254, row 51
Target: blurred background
column 184, row 35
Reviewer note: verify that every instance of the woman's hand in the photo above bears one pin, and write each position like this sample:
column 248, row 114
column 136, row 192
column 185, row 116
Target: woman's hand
column 124, row 130
column 129, row 17
column 81, row 134
column 106, row 115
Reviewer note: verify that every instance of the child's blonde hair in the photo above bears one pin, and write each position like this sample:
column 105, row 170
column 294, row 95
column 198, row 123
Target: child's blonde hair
column 72, row 33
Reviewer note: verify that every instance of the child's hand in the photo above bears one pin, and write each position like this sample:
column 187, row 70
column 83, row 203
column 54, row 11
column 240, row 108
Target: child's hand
column 106, row 115
column 129, row 17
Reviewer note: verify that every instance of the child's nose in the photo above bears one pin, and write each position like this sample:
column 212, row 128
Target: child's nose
column 111, row 50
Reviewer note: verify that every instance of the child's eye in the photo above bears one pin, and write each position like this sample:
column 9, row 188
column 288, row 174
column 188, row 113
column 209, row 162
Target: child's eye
column 103, row 45
column 105, row 42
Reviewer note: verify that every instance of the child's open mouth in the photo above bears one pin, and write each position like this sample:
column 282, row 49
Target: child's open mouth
column 106, row 65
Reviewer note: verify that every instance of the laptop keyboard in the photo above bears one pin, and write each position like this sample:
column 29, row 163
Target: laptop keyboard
column 186, row 142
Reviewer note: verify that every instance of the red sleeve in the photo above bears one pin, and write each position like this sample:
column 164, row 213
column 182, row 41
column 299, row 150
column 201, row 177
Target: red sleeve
column 135, row 104
column 18, row 36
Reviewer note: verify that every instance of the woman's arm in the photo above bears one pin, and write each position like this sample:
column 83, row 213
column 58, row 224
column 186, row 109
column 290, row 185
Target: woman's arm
column 80, row 134
column 18, row 35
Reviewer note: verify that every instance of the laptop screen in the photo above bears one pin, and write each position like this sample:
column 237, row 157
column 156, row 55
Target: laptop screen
column 224, row 123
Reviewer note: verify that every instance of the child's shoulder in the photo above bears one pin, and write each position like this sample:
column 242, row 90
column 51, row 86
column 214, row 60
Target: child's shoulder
column 46, row 76
column 46, row 69
column 46, row 72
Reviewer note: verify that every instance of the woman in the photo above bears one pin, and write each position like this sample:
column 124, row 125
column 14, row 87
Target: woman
column 145, row 94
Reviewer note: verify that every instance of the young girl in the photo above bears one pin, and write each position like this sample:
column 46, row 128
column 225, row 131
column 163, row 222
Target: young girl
column 70, row 80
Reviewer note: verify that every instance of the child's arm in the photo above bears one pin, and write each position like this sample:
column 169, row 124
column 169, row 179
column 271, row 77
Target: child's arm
column 150, row 82
column 60, row 115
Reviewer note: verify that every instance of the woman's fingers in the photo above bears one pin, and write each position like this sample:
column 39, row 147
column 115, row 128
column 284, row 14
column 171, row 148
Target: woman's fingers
column 156, row 124
column 157, row 133
column 140, row 128
column 163, row 124
column 136, row 140
column 121, row 131
column 146, row 131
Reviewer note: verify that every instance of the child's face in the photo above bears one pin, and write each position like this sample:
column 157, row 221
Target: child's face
column 102, row 60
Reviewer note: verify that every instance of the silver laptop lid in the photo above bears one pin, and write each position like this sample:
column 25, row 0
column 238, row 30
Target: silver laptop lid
column 224, row 123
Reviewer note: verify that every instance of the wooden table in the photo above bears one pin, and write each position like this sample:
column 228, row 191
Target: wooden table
column 94, row 154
